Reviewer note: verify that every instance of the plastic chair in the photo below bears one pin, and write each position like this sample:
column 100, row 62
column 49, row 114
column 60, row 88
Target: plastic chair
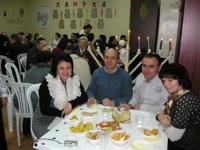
column 13, row 72
column 20, row 90
column 22, row 70
column 3, row 61
column 10, row 103
column 32, row 89
column 23, row 65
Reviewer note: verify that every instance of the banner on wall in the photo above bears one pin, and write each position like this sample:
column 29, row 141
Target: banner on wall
column 43, row 17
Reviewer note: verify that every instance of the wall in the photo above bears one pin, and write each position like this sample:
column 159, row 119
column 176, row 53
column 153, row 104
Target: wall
column 12, row 22
column 112, row 26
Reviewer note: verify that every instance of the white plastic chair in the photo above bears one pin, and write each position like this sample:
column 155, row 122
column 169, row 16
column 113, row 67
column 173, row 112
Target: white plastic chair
column 32, row 89
column 10, row 103
column 3, row 59
column 23, row 62
column 22, row 70
column 20, row 90
column 12, row 72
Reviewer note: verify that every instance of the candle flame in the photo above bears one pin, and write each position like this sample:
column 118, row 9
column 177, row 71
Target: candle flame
column 161, row 39
column 138, row 37
column 147, row 38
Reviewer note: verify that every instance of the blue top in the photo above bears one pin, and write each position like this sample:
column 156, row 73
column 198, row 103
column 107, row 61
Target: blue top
column 116, row 86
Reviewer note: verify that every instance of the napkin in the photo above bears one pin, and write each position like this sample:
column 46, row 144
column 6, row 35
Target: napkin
column 142, row 145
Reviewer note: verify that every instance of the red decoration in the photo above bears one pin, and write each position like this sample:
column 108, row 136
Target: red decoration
column 94, row 4
column 84, row 3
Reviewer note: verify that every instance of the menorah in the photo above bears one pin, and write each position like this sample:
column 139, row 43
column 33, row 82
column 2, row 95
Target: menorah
column 127, row 62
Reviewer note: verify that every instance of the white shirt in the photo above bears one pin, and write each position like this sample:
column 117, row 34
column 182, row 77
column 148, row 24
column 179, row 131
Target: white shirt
column 122, row 52
column 152, row 96
column 82, row 69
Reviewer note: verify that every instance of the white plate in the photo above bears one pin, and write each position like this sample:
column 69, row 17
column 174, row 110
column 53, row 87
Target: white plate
column 68, row 118
column 89, row 112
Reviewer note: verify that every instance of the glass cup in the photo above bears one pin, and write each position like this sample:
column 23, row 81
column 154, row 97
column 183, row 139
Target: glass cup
column 139, row 121
column 103, row 137
column 122, row 107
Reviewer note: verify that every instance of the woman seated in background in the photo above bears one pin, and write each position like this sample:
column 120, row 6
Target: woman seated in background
column 181, row 115
column 58, row 94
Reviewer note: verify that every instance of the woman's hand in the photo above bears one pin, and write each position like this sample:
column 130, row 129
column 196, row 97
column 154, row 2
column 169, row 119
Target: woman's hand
column 67, row 110
column 4, row 101
column 164, row 119
column 91, row 101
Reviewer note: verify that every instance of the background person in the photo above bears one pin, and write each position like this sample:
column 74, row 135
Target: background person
column 59, row 93
column 181, row 115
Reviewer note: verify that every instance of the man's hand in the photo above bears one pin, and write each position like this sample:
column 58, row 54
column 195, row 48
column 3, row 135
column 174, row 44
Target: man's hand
column 108, row 102
column 91, row 101
column 136, row 106
column 126, row 106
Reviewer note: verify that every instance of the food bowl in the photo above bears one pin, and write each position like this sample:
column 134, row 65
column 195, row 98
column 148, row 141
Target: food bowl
column 151, row 134
column 120, row 137
column 93, row 137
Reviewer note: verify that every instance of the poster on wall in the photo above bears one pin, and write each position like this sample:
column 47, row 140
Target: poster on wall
column 43, row 17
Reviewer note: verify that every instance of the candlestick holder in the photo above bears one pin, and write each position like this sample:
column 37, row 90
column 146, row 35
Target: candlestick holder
column 149, row 50
column 138, row 50
column 160, row 52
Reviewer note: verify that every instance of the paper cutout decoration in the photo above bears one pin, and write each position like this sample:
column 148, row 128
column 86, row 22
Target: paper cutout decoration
column 67, row 13
column 108, row 13
column 66, row 4
column 87, row 21
column 94, row 13
column 73, row 24
column 100, row 24
column 81, row 24
column 84, row 4
column 57, row 4
column 61, row 24
column 104, row 4
column 94, row 4
column 80, row 13
column 75, row 4
column 55, row 14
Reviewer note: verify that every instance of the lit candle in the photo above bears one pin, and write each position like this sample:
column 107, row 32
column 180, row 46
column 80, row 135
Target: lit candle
column 161, row 41
column 128, row 37
column 138, row 42
column 170, row 44
column 148, row 43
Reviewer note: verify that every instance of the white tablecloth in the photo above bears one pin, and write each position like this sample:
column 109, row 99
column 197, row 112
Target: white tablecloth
column 54, row 139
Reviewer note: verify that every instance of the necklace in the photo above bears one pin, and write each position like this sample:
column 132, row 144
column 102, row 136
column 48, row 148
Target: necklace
column 171, row 99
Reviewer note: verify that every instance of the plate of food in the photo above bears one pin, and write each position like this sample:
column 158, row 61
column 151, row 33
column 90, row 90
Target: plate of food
column 107, row 109
column 108, row 126
column 81, row 128
column 93, row 137
column 122, row 117
column 120, row 137
column 89, row 112
column 151, row 134
column 72, row 118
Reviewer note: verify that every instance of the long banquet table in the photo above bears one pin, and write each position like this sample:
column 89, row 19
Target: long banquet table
column 55, row 138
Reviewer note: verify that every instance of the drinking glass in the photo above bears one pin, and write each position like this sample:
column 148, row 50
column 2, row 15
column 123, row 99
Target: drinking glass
column 122, row 107
column 139, row 121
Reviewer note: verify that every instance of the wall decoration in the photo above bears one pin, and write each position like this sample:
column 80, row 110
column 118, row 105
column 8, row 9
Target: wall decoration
column 84, row 4
column 21, row 12
column 43, row 17
column 94, row 24
column 80, row 13
column 104, row 4
column 73, row 24
column 61, row 24
column 87, row 21
column 143, row 11
column 94, row 13
column 4, row 13
column 66, row 4
column 101, row 12
column 73, row 13
column 61, row 14
column 55, row 14
column 108, row 13
column 81, row 24
column 67, row 13
column 94, row 4
column 75, row 4
column 100, row 24
column 86, row 13
column 115, row 13
column 57, row 4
